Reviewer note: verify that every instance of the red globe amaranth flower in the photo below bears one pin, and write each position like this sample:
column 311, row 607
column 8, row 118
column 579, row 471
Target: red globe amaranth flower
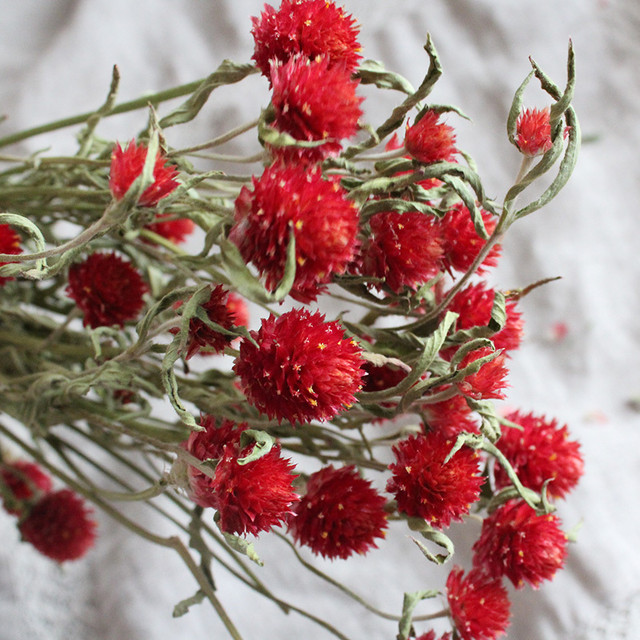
column 489, row 381
column 312, row 102
column 203, row 338
column 107, row 289
column 541, row 451
column 311, row 28
column 474, row 304
column 249, row 498
column 517, row 543
column 298, row 200
column 9, row 243
column 59, row 526
column 460, row 242
column 127, row 165
column 303, row 368
column 429, row 140
column 23, row 481
column 533, row 131
column 175, row 230
column 340, row 514
column 405, row 249
column 425, row 487
column 450, row 417
column 479, row 605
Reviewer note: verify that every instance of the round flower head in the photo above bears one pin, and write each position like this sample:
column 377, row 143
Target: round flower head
column 520, row 545
column 203, row 337
column 23, row 481
column 249, row 498
column 311, row 28
column 490, row 379
column 378, row 378
column 429, row 140
column 426, row 487
column 539, row 452
column 175, row 230
column 479, row 605
column 533, row 131
column 294, row 200
column 237, row 307
column 107, row 289
column 340, row 514
column 460, row 242
column 9, row 243
column 59, row 526
column 473, row 305
column 404, row 249
column 314, row 102
column 127, row 165
column 301, row 368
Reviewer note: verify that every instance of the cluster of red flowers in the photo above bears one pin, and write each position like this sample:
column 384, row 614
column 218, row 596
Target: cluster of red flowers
column 57, row 523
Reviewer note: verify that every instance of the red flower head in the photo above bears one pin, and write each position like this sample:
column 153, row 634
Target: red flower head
column 302, row 368
column 431, row 635
column 380, row 378
column 340, row 514
column 314, row 101
column 450, row 417
column 298, row 200
column 461, row 243
column 238, row 308
column 59, row 526
column 427, row 487
column 175, row 230
column 107, row 289
column 127, row 165
column 489, row 381
column 203, row 337
column 541, row 451
column 479, row 605
column 404, row 249
column 9, row 243
column 23, row 481
column 249, row 498
column 474, row 304
column 533, row 131
column 311, row 28
column 517, row 543
column 431, row 141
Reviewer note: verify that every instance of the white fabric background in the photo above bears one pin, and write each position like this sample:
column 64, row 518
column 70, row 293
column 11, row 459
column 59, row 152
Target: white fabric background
column 56, row 59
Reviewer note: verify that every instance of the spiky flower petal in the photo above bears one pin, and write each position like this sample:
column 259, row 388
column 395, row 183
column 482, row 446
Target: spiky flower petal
column 489, row 381
column 59, row 526
column 314, row 102
column 340, row 514
column 298, row 201
column 107, row 289
column 127, row 165
column 479, row 605
column 301, row 368
column 404, row 249
column 311, row 28
column 520, row 545
column 533, row 131
column 539, row 452
column 427, row 487
column 430, row 140
column 460, row 242
column 249, row 498
column 174, row 229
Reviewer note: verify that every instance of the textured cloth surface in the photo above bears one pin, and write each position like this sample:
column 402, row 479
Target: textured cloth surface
column 56, row 60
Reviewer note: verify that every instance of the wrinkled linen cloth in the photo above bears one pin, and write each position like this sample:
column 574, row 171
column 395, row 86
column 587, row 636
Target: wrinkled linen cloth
column 56, row 60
